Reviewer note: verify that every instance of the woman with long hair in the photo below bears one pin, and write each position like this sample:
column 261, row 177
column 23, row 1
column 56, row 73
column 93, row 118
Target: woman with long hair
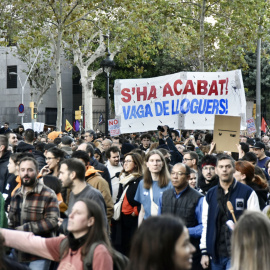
column 85, row 226
column 156, row 179
column 54, row 157
column 160, row 243
column 130, row 177
column 250, row 242
column 245, row 173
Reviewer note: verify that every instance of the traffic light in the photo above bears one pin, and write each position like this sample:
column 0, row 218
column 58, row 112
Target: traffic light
column 35, row 113
column 33, row 110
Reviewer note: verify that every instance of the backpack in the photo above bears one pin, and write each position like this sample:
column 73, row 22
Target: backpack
column 120, row 261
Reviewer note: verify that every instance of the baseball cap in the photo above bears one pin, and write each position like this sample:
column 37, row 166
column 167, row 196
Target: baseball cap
column 259, row 145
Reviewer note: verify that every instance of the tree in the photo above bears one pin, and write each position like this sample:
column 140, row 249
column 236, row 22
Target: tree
column 52, row 20
column 249, row 78
column 41, row 77
column 140, row 30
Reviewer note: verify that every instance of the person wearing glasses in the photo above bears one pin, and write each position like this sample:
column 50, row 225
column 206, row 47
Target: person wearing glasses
column 130, row 177
column 185, row 202
column 209, row 178
column 191, row 159
column 54, row 157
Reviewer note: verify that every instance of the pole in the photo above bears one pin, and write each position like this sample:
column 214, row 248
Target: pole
column 107, row 104
column 22, row 86
column 258, row 89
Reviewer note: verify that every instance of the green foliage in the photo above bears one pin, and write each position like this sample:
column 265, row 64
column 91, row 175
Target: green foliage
column 152, row 38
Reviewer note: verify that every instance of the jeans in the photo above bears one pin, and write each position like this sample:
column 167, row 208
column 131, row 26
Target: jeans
column 223, row 263
column 39, row 264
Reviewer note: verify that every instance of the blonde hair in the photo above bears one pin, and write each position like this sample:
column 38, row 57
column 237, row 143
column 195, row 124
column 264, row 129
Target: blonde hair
column 250, row 242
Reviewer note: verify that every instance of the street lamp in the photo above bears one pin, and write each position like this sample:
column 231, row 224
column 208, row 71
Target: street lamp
column 107, row 64
column 22, row 86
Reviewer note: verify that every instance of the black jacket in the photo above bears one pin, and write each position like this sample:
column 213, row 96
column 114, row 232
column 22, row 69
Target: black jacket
column 4, row 174
column 131, row 191
column 176, row 156
column 10, row 185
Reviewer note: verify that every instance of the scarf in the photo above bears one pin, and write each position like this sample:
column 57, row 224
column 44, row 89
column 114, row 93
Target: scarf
column 91, row 170
column 75, row 244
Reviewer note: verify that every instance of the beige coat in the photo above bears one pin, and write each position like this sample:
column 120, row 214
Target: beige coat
column 98, row 182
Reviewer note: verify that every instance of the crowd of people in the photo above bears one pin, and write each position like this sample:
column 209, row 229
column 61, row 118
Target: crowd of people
column 158, row 200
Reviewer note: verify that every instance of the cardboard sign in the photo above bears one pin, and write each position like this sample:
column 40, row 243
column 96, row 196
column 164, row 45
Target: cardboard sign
column 251, row 127
column 227, row 132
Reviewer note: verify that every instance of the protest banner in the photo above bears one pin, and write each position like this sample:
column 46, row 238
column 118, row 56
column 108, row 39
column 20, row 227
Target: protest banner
column 251, row 127
column 38, row 126
column 226, row 133
column 184, row 100
column 113, row 126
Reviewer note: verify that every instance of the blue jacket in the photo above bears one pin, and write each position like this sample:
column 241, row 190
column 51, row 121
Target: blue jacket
column 242, row 197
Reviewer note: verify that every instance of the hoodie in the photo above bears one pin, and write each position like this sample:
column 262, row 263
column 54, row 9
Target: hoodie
column 93, row 178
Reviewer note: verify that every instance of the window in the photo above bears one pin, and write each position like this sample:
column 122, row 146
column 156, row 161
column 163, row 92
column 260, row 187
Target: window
column 51, row 116
column 11, row 76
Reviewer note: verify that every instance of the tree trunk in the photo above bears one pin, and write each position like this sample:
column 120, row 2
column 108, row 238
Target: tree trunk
column 201, row 54
column 58, row 82
column 86, row 98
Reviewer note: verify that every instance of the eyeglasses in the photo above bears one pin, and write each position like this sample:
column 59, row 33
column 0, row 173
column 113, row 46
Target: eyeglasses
column 178, row 173
column 127, row 161
column 186, row 159
column 49, row 158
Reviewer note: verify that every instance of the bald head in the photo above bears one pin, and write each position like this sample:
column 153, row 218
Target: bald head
column 265, row 139
column 183, row 168
column 106, row 144
column 82, row 147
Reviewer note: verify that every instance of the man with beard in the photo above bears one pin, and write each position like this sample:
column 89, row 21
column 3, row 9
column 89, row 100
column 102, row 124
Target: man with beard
column 72, row 175
column 209, row 178
column 33, row 208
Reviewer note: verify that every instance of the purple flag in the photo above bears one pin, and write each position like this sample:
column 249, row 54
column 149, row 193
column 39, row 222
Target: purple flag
column 77, row 125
